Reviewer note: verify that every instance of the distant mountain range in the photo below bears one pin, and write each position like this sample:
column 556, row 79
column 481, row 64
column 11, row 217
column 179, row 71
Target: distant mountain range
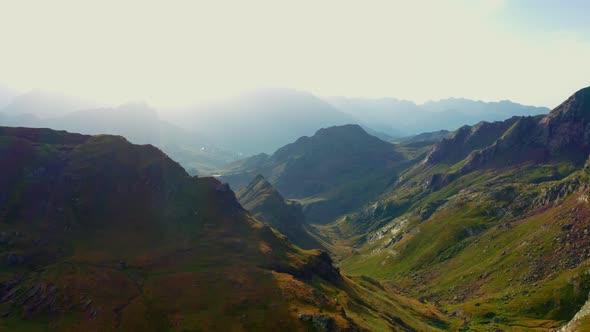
column 280, row 116
column 42, row 104
column 6, row 96
column 404, row 118
column 138, row 122
column 209, row 136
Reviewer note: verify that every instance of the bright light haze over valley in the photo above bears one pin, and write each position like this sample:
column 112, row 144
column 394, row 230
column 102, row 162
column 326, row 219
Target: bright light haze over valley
column 179, row 52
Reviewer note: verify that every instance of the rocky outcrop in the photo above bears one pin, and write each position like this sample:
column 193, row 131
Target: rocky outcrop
column 518, row 144
column 568, row 125
column 467, row 139
column 318, row 263
column 320, row 323
column 557, row 192
column 572, row 325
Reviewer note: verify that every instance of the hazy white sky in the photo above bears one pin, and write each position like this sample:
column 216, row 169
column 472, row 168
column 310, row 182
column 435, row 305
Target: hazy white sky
column 176, row 52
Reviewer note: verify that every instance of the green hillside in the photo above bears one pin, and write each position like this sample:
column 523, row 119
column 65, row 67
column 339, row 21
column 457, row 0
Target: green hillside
column 499, row 238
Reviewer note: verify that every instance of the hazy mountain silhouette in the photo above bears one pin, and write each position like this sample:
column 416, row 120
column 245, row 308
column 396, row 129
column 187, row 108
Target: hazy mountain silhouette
column 403, row 118
column 264, row 120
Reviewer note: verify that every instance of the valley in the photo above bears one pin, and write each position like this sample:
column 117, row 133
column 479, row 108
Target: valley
column 486, row 227
column 295, row 166
column 488, row 224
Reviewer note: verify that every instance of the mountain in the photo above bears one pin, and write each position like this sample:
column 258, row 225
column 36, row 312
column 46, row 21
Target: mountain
column 140, row 124
column 268, row 206
column 262, row 121
column 100, row 234
column 434, row 136
column 468, row 139
column 329, row 173
column 405, row 118
column 490, row 225
column 563, row 134
column 43, row 104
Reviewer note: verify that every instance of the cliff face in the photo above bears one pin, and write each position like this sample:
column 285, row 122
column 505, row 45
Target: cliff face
column 568, row 125
column 467, row 139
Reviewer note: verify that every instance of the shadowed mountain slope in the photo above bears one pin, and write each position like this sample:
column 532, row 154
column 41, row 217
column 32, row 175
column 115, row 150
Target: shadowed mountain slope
column 268, row 206
column 330, row 173
column 100, row 234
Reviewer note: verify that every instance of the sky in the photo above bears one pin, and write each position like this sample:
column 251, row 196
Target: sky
column 172, row 53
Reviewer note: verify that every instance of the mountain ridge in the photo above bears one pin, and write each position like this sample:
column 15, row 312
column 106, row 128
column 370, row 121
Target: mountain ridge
column 401, row 118
column 267, row 205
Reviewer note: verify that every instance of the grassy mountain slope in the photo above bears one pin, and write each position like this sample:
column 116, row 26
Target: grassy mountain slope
column 496, row 233
column 100, row 234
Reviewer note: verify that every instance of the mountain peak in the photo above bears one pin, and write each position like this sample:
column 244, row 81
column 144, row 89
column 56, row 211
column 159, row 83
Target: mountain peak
column 568, row 125
column 348, row 134
column 346, row 129
column 350, row 139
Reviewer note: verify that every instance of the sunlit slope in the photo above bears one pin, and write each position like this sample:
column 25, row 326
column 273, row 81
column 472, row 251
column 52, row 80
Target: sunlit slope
column 497, row 235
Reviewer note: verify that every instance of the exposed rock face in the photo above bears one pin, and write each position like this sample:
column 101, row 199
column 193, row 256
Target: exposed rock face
column 437, row 181
column 568, row 125
column 518, row 144
column 467, row 139
column 319, row 264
